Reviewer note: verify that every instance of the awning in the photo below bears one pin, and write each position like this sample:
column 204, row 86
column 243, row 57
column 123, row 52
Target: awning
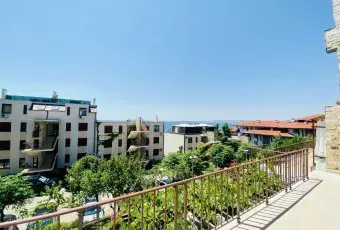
column 134, row 134
column 133, row 148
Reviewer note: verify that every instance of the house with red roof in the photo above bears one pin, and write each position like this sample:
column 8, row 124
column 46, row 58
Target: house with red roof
column 263, row 132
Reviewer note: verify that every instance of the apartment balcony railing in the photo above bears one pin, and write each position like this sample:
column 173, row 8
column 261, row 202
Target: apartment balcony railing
column 203, row 202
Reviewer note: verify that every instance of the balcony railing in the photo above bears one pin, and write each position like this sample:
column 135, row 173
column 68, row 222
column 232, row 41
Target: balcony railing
column 206, row 202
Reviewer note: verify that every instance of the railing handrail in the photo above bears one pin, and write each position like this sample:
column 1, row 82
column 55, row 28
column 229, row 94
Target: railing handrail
column 143, row 192
column 295, row 144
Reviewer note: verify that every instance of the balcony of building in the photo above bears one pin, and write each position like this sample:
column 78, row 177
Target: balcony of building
column 275, row 192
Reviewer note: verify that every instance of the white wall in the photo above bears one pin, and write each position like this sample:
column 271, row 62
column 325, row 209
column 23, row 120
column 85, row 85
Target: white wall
column 172, row 142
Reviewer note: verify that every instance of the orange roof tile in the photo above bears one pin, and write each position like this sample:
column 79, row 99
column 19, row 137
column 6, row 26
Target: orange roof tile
column 268, row 133
column 276, row 124
column 234, row 129
column 312, row 117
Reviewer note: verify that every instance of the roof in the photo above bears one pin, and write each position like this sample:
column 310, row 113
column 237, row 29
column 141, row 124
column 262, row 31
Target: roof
column 233, row 129
column 276, row 124
column 193, row 125
column 312, row 117
column 268, row 133
column 46, row 100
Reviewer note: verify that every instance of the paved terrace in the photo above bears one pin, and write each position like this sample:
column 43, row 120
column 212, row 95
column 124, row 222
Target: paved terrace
column 312, row 204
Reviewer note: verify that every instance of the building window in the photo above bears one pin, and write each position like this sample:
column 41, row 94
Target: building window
column 24, row 111
column 108, row 129
column 156, row 140
column 81, row 155
column 107, row 156
column 82, row 141
column 296, row 131
column 196, row 139
column 82, row 112
column 67, row 142
column 68, row 110
column 4, row 164
column 21, row 162
column 36, row 144
column 82, row 127
column 5, row 145
column 6, row 109
column 147, row 140
column 156, row 128
column 22, row 144
column 120, row 142
column 5, row 126
column 23, row 126
column 107, row 144
column 155, row 152
column 67, row 158
column 68, row 126
column 120, row 129
column 35, row 162
column 189, row 139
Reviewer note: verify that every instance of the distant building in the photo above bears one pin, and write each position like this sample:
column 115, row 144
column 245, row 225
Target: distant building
column 187, row 137
column 39, row 133
column 263, row 132
column 140, row 137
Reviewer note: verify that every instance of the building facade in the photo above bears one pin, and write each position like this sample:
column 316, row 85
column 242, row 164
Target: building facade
column 37, row 133
column 187, row 137
column 145, row 138
column 264, row 132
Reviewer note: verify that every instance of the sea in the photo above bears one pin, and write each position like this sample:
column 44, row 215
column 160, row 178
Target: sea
column 169, row 124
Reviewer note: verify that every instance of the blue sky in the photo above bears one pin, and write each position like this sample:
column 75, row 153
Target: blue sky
column 180, row 59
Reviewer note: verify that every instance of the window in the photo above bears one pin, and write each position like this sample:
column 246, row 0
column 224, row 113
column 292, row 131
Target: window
column 120, row 142
column 21, row 162
column 6, row 108
column 35, row 162
column 156, row 140
column 80, row 155
column 107, row 156
column 67, row 142
column 22, row 144
column 4, row 164
column 190, row 140
column 68, row 111
column 202, row 139
column 23, row 126
column 156, row 152
column 5, row 145
column 107, row 144
column 67, row 158
column 108, row 129
column 120, row 129
column 147, row 140
column 82, row 141
column 156, row 128
column 5, row 126
column 296, row 131
column 36, row 144
column 68, row 126
column 24, row 111
column 196, row 139
column 82, row 112
column 82, row 127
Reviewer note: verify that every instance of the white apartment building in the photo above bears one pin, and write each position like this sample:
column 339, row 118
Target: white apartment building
column 145, row 138
column 187, row 137
column 38, row 134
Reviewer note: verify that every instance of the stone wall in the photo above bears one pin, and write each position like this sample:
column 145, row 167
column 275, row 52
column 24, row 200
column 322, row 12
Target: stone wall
column 333, row 137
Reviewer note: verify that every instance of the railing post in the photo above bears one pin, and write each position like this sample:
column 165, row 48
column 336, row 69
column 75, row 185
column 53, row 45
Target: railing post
column 286, row 172
column 175, row 207
column 185, row 206
column 290, row 171
column 98, row 223
column 58, row 223
column 37, row 223
column 306, row 153
column 267, row 195
column 238, row 207
column 80, row 220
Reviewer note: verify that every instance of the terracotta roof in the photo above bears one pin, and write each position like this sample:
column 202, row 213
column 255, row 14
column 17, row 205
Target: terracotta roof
column 312, row 117
column 276, row 124
column 268, row 133
column 234, row 129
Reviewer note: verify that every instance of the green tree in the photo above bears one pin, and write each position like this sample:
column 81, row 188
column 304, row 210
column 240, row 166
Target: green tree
column 221, row 155
column 13, row 191
column 86, row 177
column 123, row 175
column 55, row 197
column 226, row 130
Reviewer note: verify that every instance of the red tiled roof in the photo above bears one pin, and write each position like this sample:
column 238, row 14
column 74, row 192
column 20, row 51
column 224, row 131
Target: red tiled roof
column 234, row 129
column 312, row 117
column 276, row 124
column 268, row 133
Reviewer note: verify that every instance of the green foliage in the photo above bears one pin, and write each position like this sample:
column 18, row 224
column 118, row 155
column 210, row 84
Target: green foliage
column 55, row 197
column 240, row 154
column 226, row 130
column 13, row 191
column 280, row 142
column 221, row 155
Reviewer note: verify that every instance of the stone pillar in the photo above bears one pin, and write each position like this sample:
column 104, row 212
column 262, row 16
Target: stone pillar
column 333, row 137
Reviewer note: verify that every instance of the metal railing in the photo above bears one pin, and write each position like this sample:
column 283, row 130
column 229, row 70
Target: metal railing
column 203, row 202
column 288, row 148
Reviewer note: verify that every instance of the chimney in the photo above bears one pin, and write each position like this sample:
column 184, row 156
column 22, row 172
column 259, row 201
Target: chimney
column 138, row 123
column 3, row 93
column 94, row 101
column 156, row 119
column 54, row 95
